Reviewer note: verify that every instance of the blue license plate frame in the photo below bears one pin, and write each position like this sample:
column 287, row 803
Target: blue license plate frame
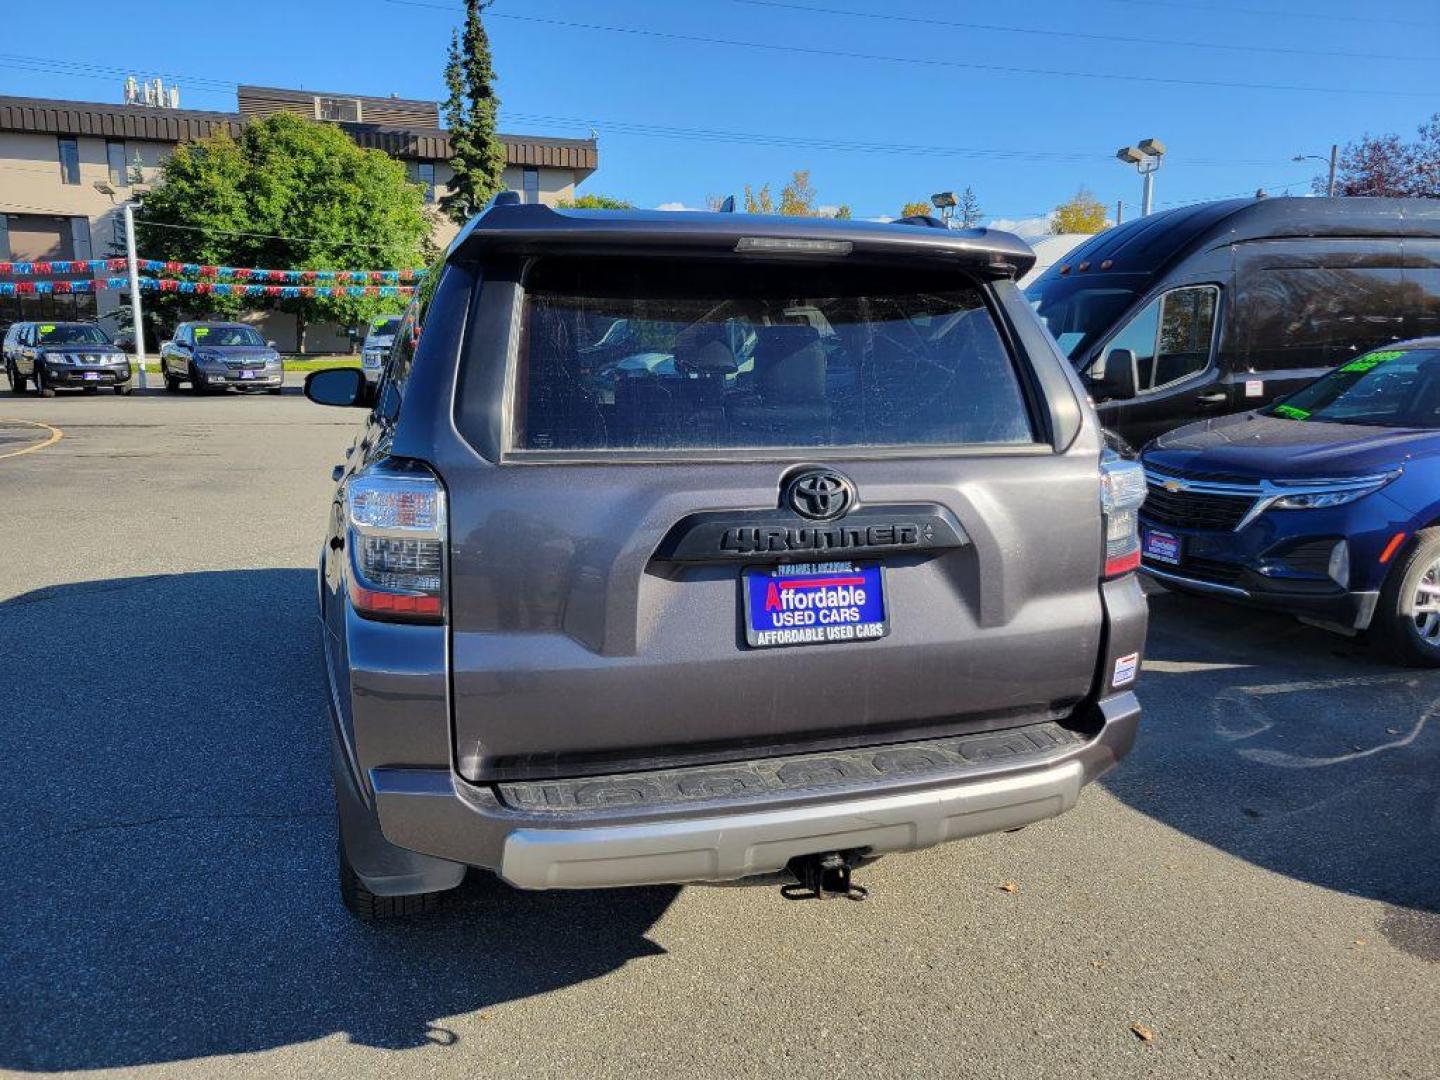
column 824, row 603
column 1162, row 546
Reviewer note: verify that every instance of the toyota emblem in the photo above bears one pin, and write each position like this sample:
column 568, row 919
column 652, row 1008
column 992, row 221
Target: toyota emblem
column 819, row 494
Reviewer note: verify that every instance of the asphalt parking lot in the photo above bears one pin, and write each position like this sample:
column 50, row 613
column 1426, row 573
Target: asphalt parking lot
column 1257, row 887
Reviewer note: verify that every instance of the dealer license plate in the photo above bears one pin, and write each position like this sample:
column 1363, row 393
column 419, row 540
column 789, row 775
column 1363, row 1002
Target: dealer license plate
column 90, row 374
column 1162, row 547
column 814, row 603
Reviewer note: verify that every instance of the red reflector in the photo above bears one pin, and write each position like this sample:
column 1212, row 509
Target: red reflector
column 1122, row 564
column 388, row 603
column 1392, row 547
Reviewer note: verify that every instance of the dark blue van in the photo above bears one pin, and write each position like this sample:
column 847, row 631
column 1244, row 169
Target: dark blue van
column 1326, row 504
column 1225, row 306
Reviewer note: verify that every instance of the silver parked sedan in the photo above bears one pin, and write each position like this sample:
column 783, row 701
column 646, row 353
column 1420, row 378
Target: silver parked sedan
column 213, row 356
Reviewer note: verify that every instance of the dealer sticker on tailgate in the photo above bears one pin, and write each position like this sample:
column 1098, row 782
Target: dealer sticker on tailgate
column 814, row 603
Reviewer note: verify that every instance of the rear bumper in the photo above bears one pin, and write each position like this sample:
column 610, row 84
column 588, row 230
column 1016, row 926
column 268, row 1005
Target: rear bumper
column 434, row 812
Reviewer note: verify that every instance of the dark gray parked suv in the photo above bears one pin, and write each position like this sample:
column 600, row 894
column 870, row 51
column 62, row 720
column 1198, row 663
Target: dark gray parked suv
column 696, row 547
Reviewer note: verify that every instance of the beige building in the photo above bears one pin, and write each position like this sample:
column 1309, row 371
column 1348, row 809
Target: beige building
column 54, row 153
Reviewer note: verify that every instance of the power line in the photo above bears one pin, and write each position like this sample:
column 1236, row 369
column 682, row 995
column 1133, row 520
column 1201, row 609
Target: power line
column 930, row 62
column 1268, row 50
column 261, row 236
column 1319, row 16
column 627, row 127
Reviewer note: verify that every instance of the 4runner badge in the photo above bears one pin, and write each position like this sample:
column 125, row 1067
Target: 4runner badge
column 819, row 494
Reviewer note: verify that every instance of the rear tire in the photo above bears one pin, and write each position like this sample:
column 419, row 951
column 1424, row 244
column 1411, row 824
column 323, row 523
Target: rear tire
column 1407, row 618
column 368, row 906
column 17, row 381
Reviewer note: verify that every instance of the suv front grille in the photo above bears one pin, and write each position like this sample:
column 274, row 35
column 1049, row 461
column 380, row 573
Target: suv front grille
column 1195, row 510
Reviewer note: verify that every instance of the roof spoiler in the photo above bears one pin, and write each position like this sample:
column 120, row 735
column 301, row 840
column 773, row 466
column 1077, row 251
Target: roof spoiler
column 508, row 224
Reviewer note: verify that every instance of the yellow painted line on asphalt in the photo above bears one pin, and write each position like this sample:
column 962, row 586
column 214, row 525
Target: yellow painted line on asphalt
column 55, row 436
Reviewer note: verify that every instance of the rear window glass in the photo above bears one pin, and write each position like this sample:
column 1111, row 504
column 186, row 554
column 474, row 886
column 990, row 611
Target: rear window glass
column 660, row 355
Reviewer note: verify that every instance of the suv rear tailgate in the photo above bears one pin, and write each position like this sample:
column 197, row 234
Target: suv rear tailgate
column 577, row 650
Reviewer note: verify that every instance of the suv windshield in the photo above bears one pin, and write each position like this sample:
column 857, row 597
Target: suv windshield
column 659, row 355
column 227, row 335
column 385, row 327
column 1388, row 388
column 71, row 334
column 1077, row 311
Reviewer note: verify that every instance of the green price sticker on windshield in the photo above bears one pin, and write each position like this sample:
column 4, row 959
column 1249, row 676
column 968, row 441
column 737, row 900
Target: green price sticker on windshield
column 1291, row 412
column 202, row 331
column 1372, row 360
column 48, row 328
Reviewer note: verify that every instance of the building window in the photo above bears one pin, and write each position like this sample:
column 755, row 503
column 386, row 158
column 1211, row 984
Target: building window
column 423, row 172
column 532, row 184
column 344, row 110
column 69, row 160
column 115, row 159
column 80, row 238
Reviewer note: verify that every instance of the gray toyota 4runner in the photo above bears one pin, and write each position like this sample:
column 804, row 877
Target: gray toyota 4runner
column 697, row 547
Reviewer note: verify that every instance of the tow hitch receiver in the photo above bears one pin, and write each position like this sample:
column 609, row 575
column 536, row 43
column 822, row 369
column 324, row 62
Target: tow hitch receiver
column 823, row 877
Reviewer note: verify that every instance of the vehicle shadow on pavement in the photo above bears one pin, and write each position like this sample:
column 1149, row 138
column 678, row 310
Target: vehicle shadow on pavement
column 167, row 867
column 1300, row 751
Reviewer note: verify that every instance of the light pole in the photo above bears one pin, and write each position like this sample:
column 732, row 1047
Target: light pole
column 127, row 211
column 1146, row 158
column 1334, row 154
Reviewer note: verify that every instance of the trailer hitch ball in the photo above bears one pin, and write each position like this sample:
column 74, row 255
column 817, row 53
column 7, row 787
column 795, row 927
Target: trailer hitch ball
column 823, row 877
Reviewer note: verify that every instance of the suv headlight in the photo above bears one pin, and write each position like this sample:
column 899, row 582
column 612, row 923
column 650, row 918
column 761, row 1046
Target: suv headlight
column 1321, row 494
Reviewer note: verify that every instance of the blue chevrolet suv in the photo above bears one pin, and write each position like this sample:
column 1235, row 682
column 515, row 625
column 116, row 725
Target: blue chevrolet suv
column 1326, row 504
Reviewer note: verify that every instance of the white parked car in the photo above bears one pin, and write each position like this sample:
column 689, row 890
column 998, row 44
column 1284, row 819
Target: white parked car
column 377, row 347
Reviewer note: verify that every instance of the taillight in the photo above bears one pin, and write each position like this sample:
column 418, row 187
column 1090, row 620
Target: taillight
column 396, row 536
column 1122, row 491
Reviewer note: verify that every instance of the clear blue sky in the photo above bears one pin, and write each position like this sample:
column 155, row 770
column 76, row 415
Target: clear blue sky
column 873, row 132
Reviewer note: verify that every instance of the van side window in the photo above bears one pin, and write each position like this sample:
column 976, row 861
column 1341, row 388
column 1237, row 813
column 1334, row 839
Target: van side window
column 1171, row 336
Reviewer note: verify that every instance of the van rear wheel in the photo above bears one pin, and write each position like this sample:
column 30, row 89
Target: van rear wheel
column 1407, row 618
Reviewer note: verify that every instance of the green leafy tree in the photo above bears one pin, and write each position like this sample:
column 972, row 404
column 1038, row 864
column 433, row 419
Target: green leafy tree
column 917, row 208
column 1081, row 213
column 288, row 194
column 590, row 201
column 477, row 154
column 843, row 212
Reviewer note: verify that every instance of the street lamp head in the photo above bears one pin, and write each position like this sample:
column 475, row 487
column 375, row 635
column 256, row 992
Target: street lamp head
column 1129, row 155
column 1152, row 147
column 103, row 188
column 943, row 200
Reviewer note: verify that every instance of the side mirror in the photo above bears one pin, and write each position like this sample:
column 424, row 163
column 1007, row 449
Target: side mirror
column 1119, row 375
column 270, row 344
column 166, row 344
column 336, row 386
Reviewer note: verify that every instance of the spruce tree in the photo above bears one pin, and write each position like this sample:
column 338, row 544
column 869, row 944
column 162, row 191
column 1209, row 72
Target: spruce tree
column 477, row 154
